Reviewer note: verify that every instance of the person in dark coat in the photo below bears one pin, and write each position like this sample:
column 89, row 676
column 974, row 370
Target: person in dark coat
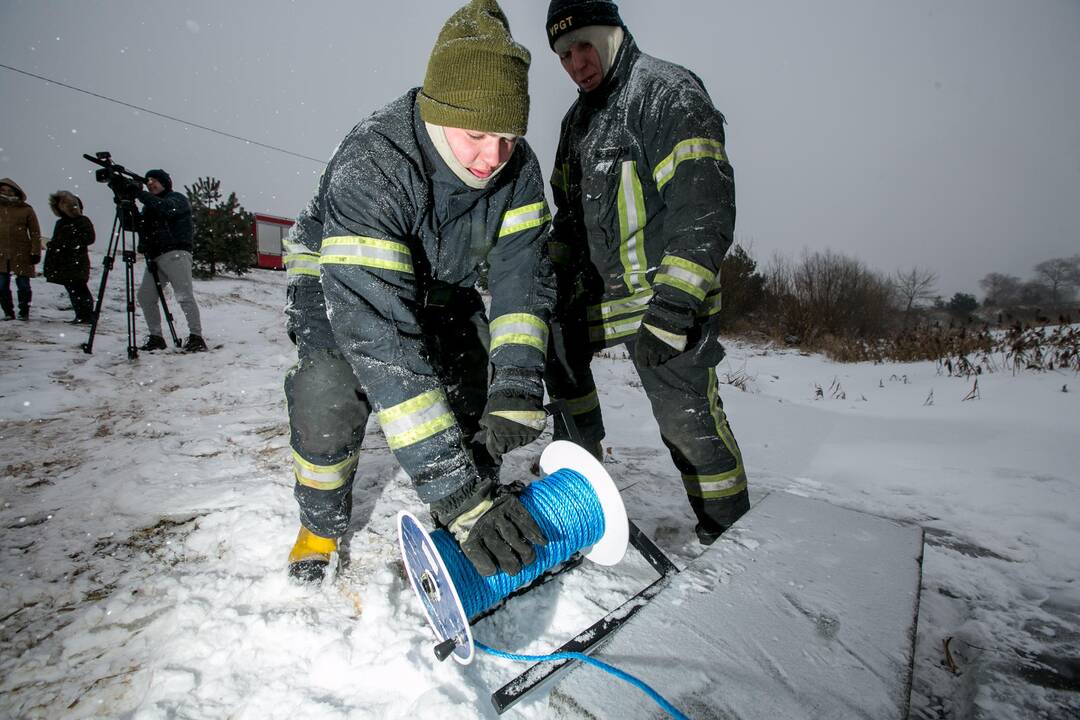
column 645, row 211
column 420, row 202
column 67, row 260
column 20, row 248
column 166, row 239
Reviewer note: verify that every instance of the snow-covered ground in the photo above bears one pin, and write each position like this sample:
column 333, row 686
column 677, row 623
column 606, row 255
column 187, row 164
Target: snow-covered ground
column 147, row 512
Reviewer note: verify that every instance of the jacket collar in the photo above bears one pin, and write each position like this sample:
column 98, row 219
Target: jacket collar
column 617, row 75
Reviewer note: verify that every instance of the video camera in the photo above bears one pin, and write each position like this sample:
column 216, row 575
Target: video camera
column 111, row 172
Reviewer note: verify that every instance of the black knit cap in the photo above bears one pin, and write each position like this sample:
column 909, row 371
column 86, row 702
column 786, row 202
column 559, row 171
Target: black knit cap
column 161, row 176
column 566, row 15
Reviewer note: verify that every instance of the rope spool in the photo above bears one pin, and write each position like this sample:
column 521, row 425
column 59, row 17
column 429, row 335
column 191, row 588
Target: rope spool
column 576, row 505
column 568, row 512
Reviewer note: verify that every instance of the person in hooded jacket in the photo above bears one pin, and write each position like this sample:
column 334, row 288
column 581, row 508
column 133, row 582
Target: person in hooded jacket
column 645, row 211
column 67, row 259
column 423, row 200
column 20, row 248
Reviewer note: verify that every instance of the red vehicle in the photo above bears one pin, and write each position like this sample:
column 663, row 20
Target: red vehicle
column 269, row 232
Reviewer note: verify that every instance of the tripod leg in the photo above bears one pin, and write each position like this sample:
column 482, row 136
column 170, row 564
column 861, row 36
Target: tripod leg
column 129, row 295
column 106, row 266
column 164, row 305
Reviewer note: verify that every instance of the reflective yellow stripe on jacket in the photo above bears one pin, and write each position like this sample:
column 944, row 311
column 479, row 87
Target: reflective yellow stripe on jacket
column 523, row 218
column 416, row 419
column 685, row 275
column 300, row 260
column 620, row 318
column 519, row 329
column 691, row 149
column 366, row 251
column 632, row 221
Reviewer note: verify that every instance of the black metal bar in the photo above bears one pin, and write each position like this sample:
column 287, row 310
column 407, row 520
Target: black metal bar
column 505, row 697
column 660, row 562
column 562, row 410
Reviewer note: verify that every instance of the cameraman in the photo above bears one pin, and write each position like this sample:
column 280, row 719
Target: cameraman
column 165, row 238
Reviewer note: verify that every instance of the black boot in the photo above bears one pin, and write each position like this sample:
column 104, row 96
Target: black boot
column 154, row 342
column 195, row 343
column 24, row 294
column 717, row 515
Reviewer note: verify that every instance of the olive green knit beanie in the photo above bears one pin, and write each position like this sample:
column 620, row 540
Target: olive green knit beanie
column 478, row 76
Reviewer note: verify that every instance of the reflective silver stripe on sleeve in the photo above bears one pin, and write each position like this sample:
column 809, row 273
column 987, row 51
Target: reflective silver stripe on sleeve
column 300, row 259
column 691, row 149
column 366, row 251
column 519, row 329
column 685, row 275
column 523, row 218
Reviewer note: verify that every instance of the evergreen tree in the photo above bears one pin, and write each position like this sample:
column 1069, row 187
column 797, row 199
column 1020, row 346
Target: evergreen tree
column 742, row 287
column 223, row 241
column 962, row 304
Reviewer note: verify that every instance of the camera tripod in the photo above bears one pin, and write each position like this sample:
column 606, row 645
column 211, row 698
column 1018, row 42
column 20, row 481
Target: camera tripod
column 124, row 238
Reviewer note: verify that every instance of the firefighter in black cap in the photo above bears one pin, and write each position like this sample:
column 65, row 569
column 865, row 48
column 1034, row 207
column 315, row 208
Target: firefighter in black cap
column 645, row 210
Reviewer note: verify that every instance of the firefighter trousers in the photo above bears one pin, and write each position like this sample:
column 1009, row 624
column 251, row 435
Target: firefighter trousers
column 686, row 404
column 328, row 410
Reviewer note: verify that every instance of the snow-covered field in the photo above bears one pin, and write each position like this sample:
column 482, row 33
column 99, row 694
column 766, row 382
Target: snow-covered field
column 147, row 512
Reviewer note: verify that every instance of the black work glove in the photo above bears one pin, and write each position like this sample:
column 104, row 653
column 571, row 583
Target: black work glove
column 663, row 333
column 35, row 258
column 498, row 534
column 514, row 415
column 650, row 351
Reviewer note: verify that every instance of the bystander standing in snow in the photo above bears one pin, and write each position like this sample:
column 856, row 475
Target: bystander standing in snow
column 67, row 260
column 20, row 248
column 418, row 203
column 645, row 210
column 166, row 238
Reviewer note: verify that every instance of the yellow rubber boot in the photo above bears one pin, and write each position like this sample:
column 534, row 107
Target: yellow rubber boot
column 310, row 557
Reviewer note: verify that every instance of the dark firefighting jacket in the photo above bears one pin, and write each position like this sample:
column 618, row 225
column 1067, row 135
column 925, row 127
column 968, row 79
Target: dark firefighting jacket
column 391, row 237
column 645, row 201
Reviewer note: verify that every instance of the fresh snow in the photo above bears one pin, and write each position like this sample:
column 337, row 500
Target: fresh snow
column 147, row 511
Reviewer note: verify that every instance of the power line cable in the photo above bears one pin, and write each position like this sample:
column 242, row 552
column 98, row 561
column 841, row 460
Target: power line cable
column 163, row 115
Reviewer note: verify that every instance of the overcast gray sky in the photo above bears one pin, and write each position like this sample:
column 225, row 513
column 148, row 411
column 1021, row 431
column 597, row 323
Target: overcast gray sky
column 940, row 133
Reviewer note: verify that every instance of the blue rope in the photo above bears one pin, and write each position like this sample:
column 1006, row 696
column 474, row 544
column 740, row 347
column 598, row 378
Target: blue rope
column 567, row 510
column 622, row 675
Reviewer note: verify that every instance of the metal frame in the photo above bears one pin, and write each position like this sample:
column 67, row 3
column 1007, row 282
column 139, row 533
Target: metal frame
column 588, row 640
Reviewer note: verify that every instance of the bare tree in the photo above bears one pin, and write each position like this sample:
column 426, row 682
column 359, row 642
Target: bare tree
column 827, row 293
column 914, row 286
column 1001, row 290
column 1061, row 276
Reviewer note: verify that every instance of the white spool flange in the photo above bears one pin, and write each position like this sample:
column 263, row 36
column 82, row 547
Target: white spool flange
column 561, row 454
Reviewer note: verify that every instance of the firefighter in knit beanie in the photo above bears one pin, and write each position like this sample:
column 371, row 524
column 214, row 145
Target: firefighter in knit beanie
column 421, row 200
column 478, row 75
